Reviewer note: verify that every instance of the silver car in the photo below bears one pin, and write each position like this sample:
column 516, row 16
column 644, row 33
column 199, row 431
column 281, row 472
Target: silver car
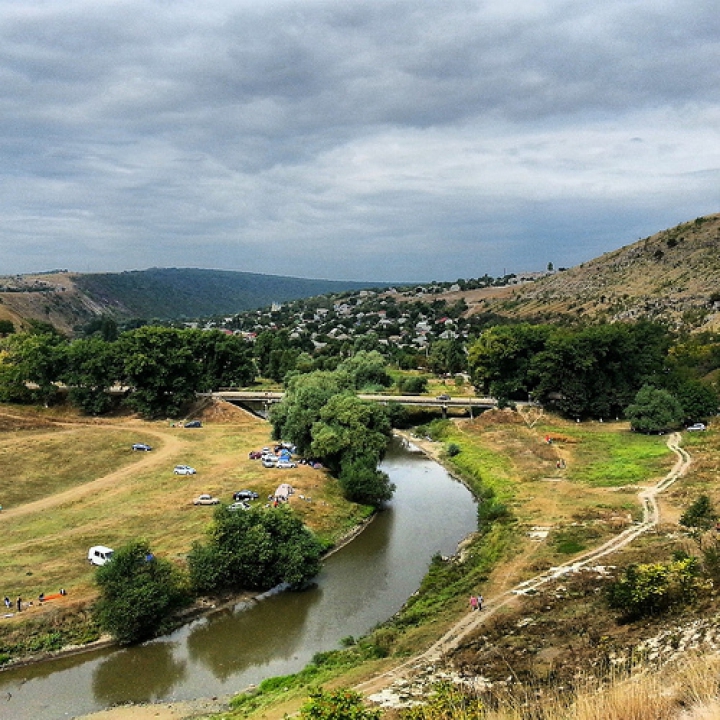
column 184, row 470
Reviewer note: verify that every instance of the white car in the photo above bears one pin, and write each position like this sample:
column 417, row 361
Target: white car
column 184, row 470
column 285, row 464
column 697, row 426
column 206, row 499
column 269, row 462
column 238, row 506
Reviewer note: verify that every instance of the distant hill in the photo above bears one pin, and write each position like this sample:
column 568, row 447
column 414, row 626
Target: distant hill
column 175, row 292
column 68, row 300
column 672, row 276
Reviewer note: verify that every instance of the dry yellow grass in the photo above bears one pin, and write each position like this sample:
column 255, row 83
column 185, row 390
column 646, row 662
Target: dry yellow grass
column 97, row 491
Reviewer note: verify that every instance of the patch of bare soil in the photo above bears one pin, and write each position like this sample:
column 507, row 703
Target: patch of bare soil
column 220, row 411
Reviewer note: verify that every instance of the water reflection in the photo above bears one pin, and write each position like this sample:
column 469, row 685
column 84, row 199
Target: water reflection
column 138, row 677
column 232, row 641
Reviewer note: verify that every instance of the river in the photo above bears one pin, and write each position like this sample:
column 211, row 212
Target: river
column 360, row 586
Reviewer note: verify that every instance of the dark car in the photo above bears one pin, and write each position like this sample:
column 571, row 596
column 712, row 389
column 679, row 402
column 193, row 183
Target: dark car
column 193, row 424
column 142, row 447
column 443, row 397
column 245, row 495
column 255, row 454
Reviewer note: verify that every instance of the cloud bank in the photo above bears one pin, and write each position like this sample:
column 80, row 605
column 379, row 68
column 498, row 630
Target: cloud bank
column 375, row 140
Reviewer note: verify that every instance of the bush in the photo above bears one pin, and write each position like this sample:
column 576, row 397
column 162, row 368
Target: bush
column 138, row 594
column 453, row 450
column 700, row 515
column 340, row 704
column 254, row 550
column 653, row 588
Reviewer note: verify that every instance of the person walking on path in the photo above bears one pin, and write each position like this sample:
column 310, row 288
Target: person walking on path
column 479, row 602
column 473, row 602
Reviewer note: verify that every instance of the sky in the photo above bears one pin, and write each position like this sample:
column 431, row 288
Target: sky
column 374, row 140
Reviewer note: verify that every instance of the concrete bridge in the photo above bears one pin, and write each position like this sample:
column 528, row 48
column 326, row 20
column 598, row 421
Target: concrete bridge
column 269, row 398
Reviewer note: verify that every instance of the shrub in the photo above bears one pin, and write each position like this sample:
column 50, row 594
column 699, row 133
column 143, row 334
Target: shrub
column 340, row 704
column 652, row 588
column 138, row 594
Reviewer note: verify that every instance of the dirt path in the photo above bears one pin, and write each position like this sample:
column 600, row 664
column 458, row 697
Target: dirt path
column 170, row 447
column 390, row 685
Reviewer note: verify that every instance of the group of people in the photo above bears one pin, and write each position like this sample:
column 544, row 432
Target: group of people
column 19, row 603
column 476, row 602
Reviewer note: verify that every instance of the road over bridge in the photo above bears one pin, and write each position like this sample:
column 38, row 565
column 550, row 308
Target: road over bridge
column 268, row 398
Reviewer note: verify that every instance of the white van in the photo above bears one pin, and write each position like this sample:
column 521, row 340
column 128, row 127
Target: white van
column 99, row 554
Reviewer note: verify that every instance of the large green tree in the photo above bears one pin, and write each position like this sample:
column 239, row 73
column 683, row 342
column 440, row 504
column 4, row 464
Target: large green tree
column 654, row 410
column 225, row 360
column 138, row 594
column 255, row 549
column 305, row 396
column 93, row 366
column 350, row 428
column 161, row 369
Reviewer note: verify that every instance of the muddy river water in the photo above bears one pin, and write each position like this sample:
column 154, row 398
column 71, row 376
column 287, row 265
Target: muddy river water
column 361, row 585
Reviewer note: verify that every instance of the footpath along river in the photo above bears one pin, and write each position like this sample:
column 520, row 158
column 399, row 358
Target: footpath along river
column 360, row 586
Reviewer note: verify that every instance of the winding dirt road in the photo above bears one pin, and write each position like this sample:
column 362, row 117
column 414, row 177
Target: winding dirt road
column 171, row 445
column 386, row 688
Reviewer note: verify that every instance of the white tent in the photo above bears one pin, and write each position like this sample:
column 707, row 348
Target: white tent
column 284, row 491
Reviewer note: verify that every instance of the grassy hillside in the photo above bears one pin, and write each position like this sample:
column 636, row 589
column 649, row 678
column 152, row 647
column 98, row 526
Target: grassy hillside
column 673, row 275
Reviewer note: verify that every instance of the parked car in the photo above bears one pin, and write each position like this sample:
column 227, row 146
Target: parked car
column 285, row 464
column 255, row 454
column 184, row 470
column 142, row 447
column 245, row 495
column 99, row 554
column 193, row 424
column 238, row 506
column 697, row 426
column 443, row 397
column 206, row 499
column 269, row 461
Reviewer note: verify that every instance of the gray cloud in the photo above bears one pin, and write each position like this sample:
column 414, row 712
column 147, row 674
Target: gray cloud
column 376, row 140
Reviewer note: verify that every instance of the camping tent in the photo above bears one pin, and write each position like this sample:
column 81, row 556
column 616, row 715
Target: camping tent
column 283, row 492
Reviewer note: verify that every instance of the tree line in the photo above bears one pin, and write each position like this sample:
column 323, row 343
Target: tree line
column 601, row 371
column 162, row 368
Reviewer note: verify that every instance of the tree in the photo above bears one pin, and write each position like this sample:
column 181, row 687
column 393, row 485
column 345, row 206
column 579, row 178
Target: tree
column 138, row 594
column 225, row 360
column 93, row 366
column 364, row 370
column 37, row 358
column 701, row 514
column 499, row 361
column 161, row 368
column 350, row 428
column 362, row 482
column 255, row 550
column 305, row 396
column 654, row 410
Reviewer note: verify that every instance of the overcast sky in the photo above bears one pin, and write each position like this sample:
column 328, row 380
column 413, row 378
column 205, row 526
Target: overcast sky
column 364, row 140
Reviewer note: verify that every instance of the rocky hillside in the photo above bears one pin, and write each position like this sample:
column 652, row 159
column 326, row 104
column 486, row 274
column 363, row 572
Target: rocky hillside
column 673, row 276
